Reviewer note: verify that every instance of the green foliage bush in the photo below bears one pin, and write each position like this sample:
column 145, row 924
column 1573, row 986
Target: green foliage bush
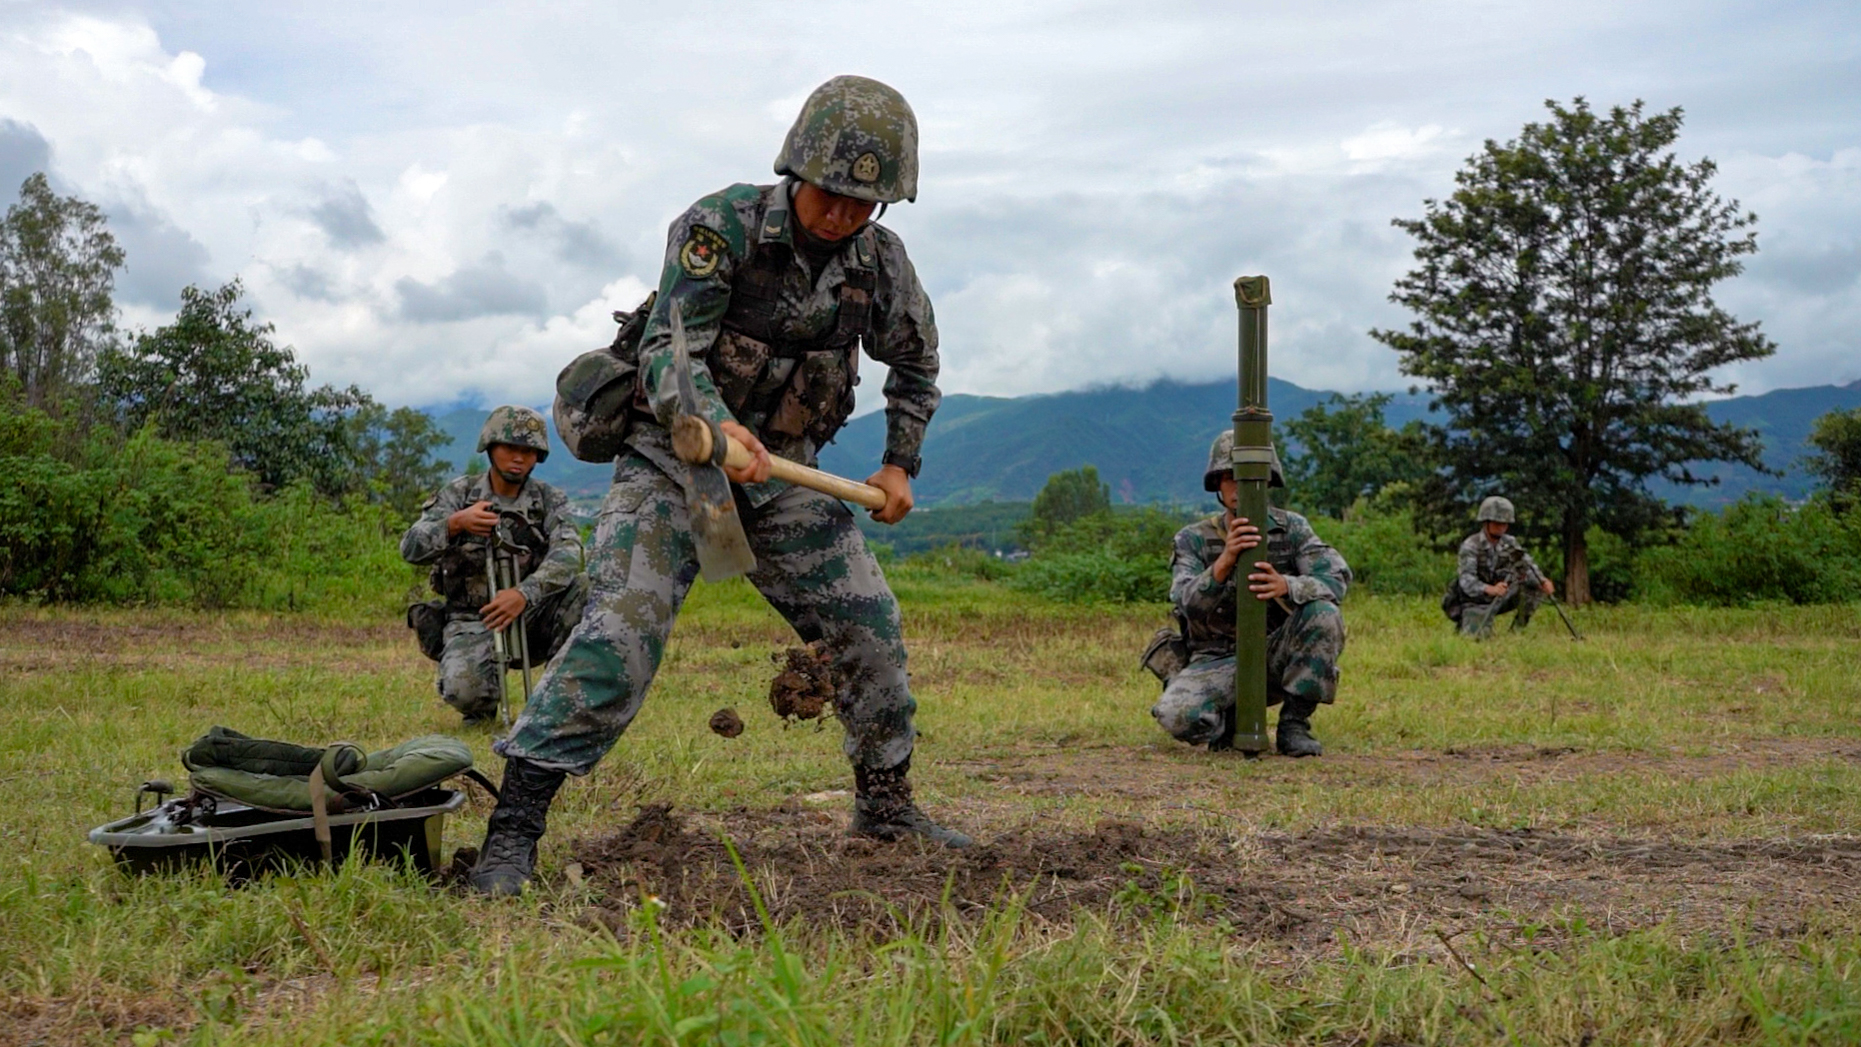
column 1106, row 557
column 155, row 521
column 1760, row 549
column 1378, row 539
column 962, row 561
column 143, row 524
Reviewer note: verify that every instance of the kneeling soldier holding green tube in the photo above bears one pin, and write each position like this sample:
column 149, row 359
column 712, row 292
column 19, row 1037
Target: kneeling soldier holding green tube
column 455, row 527
column 1302, row 578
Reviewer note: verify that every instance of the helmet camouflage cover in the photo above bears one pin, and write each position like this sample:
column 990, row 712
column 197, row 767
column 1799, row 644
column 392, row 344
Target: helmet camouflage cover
column 1496, row 509
column 518, row 427
column 1221, row 463
column 855, row 137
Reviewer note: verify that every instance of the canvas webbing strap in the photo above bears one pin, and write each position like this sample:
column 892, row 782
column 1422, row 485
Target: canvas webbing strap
column 320, row 812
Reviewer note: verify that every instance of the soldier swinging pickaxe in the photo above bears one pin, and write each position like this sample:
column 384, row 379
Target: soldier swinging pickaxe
column 717, row 530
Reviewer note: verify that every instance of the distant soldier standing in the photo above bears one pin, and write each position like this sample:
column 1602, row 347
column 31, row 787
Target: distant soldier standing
column 1496, row 575
column 779, row 288
column 452, row 535
column 1302, row 577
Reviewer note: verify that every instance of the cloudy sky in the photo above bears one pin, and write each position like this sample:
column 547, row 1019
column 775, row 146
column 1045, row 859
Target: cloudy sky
column 442, row 202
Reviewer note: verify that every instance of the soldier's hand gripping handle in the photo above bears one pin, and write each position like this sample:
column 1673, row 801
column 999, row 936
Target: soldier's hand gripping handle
column 695, row 441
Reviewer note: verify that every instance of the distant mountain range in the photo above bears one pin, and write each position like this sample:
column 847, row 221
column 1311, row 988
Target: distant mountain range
column 1150, row 443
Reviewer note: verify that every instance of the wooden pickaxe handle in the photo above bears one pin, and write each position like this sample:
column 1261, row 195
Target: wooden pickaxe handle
column 691, row 437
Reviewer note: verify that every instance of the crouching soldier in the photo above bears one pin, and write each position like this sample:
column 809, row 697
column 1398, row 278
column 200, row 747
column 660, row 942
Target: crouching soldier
column 1496, row 575
column 453, row 535
column 1301, row 576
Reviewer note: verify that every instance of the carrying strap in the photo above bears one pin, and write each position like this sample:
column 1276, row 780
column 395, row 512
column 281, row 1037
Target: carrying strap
column 320, row 812
column 484, row 783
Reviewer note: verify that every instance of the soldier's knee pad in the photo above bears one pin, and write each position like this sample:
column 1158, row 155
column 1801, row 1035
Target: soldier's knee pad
column 468, row 688
column 1321, row 614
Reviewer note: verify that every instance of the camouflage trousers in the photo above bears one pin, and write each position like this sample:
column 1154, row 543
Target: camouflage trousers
column 813, row 567
column 1476, row 619
column 1302, row 663
column 468, row 667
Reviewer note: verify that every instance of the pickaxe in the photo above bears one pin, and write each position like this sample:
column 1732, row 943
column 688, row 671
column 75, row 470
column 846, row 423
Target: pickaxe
column 723, row 549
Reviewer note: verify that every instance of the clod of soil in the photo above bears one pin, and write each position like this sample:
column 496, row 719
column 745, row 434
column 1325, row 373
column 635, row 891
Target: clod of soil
column 806, row 687
column 460, row 867
column 726, row 722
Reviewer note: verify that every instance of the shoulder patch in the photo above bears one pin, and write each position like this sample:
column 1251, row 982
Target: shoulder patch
column 703, row 252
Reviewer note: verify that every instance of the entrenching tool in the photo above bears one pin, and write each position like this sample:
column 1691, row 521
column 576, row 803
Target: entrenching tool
column 1245, row 726
column 706, row 447
column 716, row 529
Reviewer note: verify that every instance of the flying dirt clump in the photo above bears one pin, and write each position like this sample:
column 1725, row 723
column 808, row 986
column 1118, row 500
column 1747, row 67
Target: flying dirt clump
column 806, row 687
column 726, row 722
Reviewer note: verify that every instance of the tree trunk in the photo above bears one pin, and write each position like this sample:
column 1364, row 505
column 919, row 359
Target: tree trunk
column 1576, row 568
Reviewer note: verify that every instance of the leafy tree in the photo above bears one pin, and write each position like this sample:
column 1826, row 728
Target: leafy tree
column 1067, row 496
column 1564, row 321
column 392, row 452
column 1347, row 452
column 214, row 374
column 1836, row 437
column 58, row 267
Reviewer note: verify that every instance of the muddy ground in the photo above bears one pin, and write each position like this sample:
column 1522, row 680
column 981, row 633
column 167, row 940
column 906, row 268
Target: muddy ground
column 1305, row 890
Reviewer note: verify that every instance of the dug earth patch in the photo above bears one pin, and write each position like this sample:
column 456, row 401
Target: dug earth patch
column 1308, row 891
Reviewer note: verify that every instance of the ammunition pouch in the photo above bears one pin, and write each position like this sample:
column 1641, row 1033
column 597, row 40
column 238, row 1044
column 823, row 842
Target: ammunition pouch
column 793, row 391
column 598, row 391
column 1453, row 600
column 1167, row 653
column 428, row 621
column 819, row 397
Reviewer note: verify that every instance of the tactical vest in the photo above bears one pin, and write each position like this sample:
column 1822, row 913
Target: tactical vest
column 459, row 573
column 1217, row 631
column 792, row 387
column 1283, row 557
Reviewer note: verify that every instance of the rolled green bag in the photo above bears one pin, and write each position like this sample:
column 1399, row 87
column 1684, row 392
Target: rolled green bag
column 275, row 776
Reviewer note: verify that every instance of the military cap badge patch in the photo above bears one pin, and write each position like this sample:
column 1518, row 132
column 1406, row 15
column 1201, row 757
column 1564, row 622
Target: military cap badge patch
column 866, row 168
column 703, row 252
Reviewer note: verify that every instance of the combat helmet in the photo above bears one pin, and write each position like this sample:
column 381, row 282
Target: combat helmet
column 518, row 427
column 1221, row 463
column 855, row 137
column 1495, row 509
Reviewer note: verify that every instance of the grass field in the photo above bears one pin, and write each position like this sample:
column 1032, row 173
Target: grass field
column 1648, row 837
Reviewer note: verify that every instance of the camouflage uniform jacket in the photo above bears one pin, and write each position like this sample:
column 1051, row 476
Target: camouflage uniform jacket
column 1484, row 563
column 462, row 556
column 1313, row 570
column 775, row 331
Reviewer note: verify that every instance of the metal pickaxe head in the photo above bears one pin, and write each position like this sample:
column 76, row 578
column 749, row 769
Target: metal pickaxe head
column 716, row 529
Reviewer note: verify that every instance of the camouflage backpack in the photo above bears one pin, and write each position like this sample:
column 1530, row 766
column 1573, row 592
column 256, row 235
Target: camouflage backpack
column 595, row 394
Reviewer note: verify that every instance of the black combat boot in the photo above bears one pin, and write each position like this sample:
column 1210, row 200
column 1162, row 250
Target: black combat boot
column 509, row 854
column 882, row 809
column 1294, row 735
